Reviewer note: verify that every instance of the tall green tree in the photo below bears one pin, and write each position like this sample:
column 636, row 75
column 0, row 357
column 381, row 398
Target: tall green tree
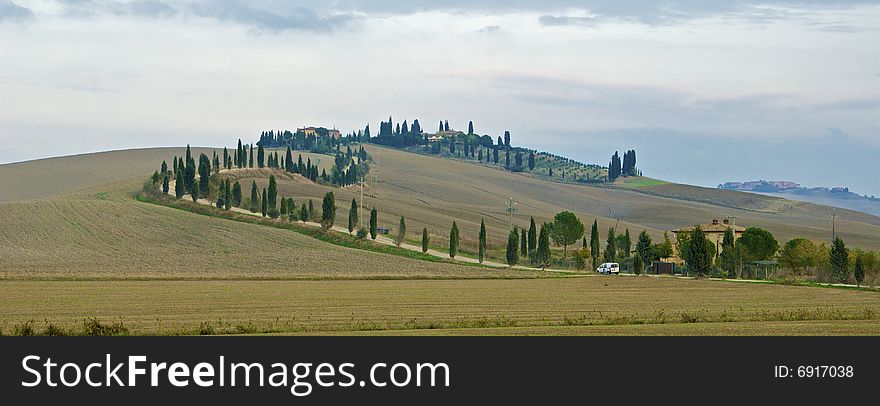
column 165, row 184
column 255, row 199
column 757, row 244
column 273, row 197
column 164, row 168
column 304, row 213
column 859, row 271
column 264, row 210
column 227, row 192
column 328, row 211
column 352, row 216
column 839, row 259
column 643, row 247
column 513, row 247
column 567, row 229
column 236, row 194
column 626, row 245
column 195, row 192
column 221, row 195
column 374, row 223
column 204, row 172
column 542, row 256
column 312, row 214
column 594, row 243
column 524, row 243
column 482, row 241
column 728, row 260
column 453, row 240
column 179, row 190
column 700, row 254
column 638, row 265
column 610, row 254
column 425, row 240
column 533, row 235
column 401, row 232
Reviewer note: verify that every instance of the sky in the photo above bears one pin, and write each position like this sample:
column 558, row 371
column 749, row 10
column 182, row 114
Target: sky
column 705, row 91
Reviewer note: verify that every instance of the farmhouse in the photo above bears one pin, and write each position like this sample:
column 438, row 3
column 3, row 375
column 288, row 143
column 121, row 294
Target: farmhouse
column 715, row 231
column 308, row 131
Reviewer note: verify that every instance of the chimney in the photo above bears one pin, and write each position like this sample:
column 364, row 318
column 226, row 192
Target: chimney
column 726, row 221
column 714, row 222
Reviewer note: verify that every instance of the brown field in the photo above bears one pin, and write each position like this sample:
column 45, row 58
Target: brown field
column 587, row 305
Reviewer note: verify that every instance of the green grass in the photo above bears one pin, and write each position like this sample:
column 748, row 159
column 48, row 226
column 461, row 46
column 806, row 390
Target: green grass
column 640, row 182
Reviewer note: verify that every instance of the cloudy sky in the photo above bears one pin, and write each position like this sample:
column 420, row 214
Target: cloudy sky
column 706, row 91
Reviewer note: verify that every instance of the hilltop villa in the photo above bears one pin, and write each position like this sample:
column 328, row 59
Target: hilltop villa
column 715, row 231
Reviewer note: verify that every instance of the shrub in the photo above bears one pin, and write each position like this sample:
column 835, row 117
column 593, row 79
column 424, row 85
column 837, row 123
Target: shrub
column 24, row 329
column 206, row 329
column 54, row 331
column 362, row 233
column 93, row 327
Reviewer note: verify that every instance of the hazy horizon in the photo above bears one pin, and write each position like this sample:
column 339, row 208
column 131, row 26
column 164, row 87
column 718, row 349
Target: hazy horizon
column 706, row 92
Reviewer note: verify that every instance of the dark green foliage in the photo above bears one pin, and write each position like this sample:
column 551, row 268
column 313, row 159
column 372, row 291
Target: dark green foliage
column 513, row 247
column 374, row 223
column 227, row 195
column 839, row 258
column 614, row 167
column 195, row 192
column 625, row 245
column 728, row 261
column 542, row 256
column 643, row 248
column 352, row 215
column 533, row 236
column 401, row 232
column 304, row 213
column 610, row 254
column 164, row 168
column 204, row 172
column 859, row 271
column 189, row 172
column 328, row 210
column 757, row 244
column 425, row 240
column 629, row 163
column 272, row 195
column 264, row 203
column 482, row 241
column 155, row 178
column 255, row 198
column 453, row 240
column 699, row 254
column 524, row 243
column 283, row 211
column 236, row 194
column 594, row 243
column 312, row 214
column 567, row 229
column 179, row 190
column 638, row 265
column 165, row 184
column 531, row 161
column 221, row 195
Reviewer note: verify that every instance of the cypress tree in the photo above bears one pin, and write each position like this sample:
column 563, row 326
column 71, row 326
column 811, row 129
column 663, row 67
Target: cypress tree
column 531, row 161
column 627, row 244
column 482, row 241
column 470, row 127
column 425, row 240
column 312, row 214
column 227, row 192
column 352, row 216
column 220, row 196
column 303, row 213
column 610, row 247
column 236, row 194
column 174, row 168
column 283, row 211
column 225, row 158
column 165, row 185
column 524, row 243
column 512, row 247
column 533, row 236
column 638, row 265
column 839, row 261
column 699, row 259
column 273, row 197
column 328, row 210
column 195, row 192
column 261, row 156
column 453, row 240
column 239, row 155
column 178, row 186
column 495, row 155
column 374, row 223
column 401, row 232
column 255, row 199
column 859, row 271
column 164, row 168
column 594, row 243
column 251, row 161
column 264, row 203
column 543, row 250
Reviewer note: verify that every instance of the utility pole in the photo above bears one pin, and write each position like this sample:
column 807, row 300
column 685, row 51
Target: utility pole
column 511, row 208
column 834, row 217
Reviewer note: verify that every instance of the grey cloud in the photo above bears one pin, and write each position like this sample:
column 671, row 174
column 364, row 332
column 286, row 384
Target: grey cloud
column 489, row 29
column 145, row 8
column 550, row 20
column 10, row 11
column 303, row 19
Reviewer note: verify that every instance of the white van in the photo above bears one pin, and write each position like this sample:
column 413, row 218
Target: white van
column 609, row 268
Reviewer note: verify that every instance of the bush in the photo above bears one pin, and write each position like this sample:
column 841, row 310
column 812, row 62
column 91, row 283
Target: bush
column 582, row 258
column 206, row 329
column 362, row 233
column 93, row 327
column 54, row 331
column 24, row 329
